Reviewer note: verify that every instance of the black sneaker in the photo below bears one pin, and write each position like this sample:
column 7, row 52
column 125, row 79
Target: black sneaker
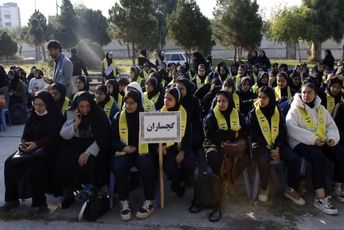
column 8, row 206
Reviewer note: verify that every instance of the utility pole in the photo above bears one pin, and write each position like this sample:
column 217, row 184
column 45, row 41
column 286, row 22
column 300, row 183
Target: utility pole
column 57, row 9
column 35, row 5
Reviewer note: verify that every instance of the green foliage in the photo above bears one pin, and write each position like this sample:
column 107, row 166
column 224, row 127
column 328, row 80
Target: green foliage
column 189, row 28
column 90, row 52
column 65, row 28
column 238, row 23
column 132, row 22
column 37, row 29
column 8, row 47
column 92, row 25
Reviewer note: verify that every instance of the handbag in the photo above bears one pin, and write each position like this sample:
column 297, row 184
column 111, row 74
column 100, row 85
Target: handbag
column 21, row 156
column 96, row 205
column 2, row 101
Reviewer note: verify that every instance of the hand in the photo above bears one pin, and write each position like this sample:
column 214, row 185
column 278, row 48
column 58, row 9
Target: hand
column 30, row 146
column 164, row 150
column 319, row 143
column 275, row 155
column 77, row 119
column 180, row 157
column 83, row 159
column 23, row 146
column 331, row 142
column 129, row 149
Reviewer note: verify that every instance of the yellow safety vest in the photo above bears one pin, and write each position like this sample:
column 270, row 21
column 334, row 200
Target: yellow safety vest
column 183, row 119
column 198, row 81
column 108, row 106
column 148, row 105
column 255, row 88
column 120, row 100
column 154, row 99
column 123, row 135
column 106, row 65
column 270, row 135
column 330, row 102
column 278, row 93
column 236, row 100
column 320, row 128
column 222, row 123
column 237, row 81
column 65, row 105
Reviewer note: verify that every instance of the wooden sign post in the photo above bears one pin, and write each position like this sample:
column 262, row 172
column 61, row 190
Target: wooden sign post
column 157, row 127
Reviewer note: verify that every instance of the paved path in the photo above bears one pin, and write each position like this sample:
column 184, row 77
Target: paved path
column 239, row 213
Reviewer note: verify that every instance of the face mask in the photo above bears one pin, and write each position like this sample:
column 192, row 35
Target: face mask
column 41, row 114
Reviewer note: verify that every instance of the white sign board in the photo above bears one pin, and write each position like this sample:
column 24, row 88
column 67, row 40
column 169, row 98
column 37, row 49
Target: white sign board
column 157, row 127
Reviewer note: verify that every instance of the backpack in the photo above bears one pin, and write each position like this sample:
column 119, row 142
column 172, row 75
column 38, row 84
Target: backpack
column 95, row 206
column 208, row 194
column 18, row 113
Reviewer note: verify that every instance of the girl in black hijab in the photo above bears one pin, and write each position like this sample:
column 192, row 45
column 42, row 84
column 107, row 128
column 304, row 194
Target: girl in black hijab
column 58, row 91
column 81, row 84
column 113, row 89
column 332, row 95
column 17, row 89
column 130, row 152
column 153, row 92
column 268, row 134
column 85, row 155
column 106, row 102
column 179, row 160
column 40, row 133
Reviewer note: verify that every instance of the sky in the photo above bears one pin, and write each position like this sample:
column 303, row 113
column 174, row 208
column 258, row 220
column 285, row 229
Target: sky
column 48, row 7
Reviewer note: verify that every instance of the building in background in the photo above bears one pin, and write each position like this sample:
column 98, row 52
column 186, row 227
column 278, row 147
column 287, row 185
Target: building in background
column 9, row 15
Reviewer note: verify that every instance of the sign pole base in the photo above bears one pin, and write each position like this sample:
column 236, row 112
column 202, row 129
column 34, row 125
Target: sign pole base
column 161, row 175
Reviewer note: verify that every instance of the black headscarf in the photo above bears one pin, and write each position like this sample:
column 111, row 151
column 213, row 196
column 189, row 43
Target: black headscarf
column 154, row 82
column 115, row 87
column 84, row 80
column 260, row 77
column 15, row 80
column 62, row 90
column 268, row 110
column 97, row 119
column 104, row 89
column 3, row 77
column 109, row 60
column 39, row 127
column 332, row 81
column 174, row 91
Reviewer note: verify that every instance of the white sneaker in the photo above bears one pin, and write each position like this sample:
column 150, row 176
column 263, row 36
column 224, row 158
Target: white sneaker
column 263, row 195
column 291, row 194
column 325, row 206
column 338, row 194
column 146, row 210
column 125, row 211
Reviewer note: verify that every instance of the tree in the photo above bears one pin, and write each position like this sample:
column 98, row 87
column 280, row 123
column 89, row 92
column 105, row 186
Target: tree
column 189, row 28
column 237, row 23
column 289, row 25
column 18, row 34
column 132, row 22
column 66, row 27
column 8, row 47
column 327, row 21
column 92, row 25
column 37, row 32
column 163, row 9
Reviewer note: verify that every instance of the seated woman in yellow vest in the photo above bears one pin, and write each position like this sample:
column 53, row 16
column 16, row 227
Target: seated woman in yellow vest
column 241, row 73
column 200, row 79
column 332, row 95
column 148, row 105
column 225, row 137
column 268, row 138
column 113, row 89
column 136, row 76
column 58, row 91
column 106, row 102
column 128, row 153
column 263, row 79
column 229, row 87
column 153, row 93
column 179, row 161
column 314, row 135
column 81, row 84
column 282, row 90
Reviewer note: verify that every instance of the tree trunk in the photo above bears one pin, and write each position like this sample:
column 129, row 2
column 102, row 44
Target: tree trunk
column 128, row 49
column 37, row 53
column 235, row 53
column 240, row 52
column 43, row 52
column 298, row 50
column 343, row 53
column 291, row 50
column 315, row 51
column 133, row 50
